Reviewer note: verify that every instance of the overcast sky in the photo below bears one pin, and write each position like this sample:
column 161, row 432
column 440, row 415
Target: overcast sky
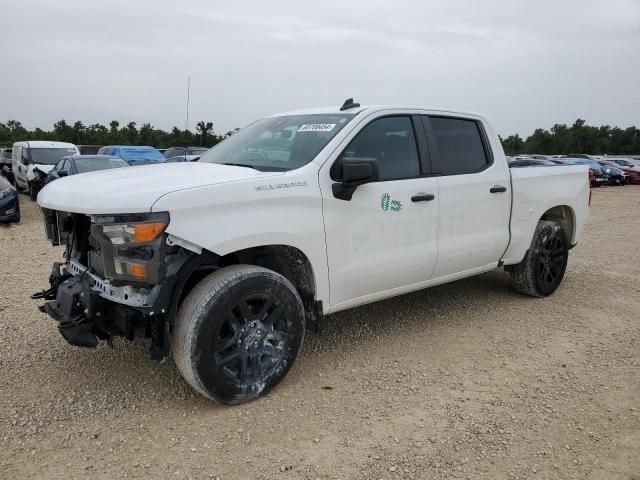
column 524, row 64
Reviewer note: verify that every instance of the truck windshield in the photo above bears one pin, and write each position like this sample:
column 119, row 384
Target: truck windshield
column 278, row 143
column 50, row 156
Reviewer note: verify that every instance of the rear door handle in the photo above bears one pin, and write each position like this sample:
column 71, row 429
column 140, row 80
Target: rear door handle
column 423, row 197
column 498, row 189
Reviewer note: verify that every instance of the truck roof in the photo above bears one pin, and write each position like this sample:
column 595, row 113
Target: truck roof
column 374, row 108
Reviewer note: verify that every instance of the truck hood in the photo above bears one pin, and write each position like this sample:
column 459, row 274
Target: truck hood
column 135, row 189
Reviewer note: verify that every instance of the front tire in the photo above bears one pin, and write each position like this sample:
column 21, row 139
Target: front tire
column 542, row 269
column 238, row 333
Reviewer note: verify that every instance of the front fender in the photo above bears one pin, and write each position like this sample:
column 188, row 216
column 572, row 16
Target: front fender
column 234, row 216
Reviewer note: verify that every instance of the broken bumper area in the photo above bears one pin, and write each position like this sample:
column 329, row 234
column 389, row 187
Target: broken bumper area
column 71, row 310
column 83, row 316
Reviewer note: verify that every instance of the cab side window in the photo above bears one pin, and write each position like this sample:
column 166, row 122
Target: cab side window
column 392, row 142
column 460, row 146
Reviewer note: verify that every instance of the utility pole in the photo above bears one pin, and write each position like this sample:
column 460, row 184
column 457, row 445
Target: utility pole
column 186, row 124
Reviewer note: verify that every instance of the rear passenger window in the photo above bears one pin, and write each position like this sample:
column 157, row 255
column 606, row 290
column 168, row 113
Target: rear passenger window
column 459, row 144
column 391, row 141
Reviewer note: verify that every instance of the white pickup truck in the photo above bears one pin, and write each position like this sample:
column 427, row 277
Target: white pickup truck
column 225, row 262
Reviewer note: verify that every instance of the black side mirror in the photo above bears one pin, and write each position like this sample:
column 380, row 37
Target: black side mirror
column 351, row 173
column 62, row 173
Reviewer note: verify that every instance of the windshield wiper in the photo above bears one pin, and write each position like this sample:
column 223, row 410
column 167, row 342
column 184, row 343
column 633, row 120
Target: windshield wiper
column 262, row 168
column 241, row 165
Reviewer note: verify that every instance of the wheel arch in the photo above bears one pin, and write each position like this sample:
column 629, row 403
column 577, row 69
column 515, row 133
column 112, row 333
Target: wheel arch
column 566, row 217
column 286, row 260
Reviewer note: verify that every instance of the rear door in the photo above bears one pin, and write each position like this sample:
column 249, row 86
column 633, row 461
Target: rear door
column 474, row 194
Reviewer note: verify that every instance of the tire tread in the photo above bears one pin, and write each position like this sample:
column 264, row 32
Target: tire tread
column 193, row 310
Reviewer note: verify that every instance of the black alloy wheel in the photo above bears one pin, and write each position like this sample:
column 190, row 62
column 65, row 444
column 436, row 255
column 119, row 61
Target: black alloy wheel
column 238, row 332
column 550, row 262
column 252, row 339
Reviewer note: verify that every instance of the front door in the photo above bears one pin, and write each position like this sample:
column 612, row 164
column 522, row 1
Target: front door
column 385, row 237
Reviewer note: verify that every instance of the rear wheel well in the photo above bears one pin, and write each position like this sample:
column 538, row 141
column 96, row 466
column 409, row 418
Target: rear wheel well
column 563, row 215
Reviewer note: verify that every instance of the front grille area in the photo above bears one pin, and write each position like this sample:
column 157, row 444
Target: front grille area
column 96, row 263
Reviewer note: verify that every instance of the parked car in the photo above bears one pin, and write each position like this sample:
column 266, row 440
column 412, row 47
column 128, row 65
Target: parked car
column 89, row 149
column 615, row 177
column 9, row 202
column 134, row 154
column 581, row 155
column 622, row 163
column 5, row 164
column 530, row 155
column 599, row 175
column 182, row 151
column 73, row 165
column 227, row 263
column 530, row 162
column 183, row 158
column 631, row 176
column 32, row 160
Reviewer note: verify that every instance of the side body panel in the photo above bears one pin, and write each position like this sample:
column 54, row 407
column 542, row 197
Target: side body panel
column 473, row 225
column 538, row 189
column 285, row 209
column 379, row 240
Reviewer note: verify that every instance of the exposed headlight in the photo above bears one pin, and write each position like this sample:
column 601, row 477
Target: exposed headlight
column 129, row 243
column 132, row 229
column 134, row 233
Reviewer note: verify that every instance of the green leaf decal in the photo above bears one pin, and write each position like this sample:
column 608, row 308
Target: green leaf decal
column 384, row 202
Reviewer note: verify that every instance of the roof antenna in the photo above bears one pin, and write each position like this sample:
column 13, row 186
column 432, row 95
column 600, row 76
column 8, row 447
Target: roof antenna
column 348, row 104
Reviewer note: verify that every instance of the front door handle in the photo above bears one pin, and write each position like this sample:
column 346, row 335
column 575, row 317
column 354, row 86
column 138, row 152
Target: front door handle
column 423, row 197
column 498, row 189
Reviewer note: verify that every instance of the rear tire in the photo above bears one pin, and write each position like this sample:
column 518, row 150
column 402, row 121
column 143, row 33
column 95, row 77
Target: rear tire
column 542, row 269
column 238, row 332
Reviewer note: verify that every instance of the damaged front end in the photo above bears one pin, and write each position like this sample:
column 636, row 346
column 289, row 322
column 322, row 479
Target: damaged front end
column 117, row 281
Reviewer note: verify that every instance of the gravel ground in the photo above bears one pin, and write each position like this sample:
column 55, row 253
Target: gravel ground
column 465, row 380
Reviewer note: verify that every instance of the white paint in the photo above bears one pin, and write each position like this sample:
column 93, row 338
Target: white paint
column 359, row 252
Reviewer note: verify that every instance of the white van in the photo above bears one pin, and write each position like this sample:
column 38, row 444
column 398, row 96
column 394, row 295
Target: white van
column 32, row 160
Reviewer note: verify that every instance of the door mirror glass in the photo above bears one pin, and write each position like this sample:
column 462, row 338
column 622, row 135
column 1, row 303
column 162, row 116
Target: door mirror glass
column 352, row 172
column 62, row 173
column 25, row 157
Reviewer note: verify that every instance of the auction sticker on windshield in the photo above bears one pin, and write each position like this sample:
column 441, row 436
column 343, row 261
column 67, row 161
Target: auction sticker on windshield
column 317, row 127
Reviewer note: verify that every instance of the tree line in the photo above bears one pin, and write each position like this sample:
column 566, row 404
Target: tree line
column 577, row 138
column 113, row 134
column 560, row 139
